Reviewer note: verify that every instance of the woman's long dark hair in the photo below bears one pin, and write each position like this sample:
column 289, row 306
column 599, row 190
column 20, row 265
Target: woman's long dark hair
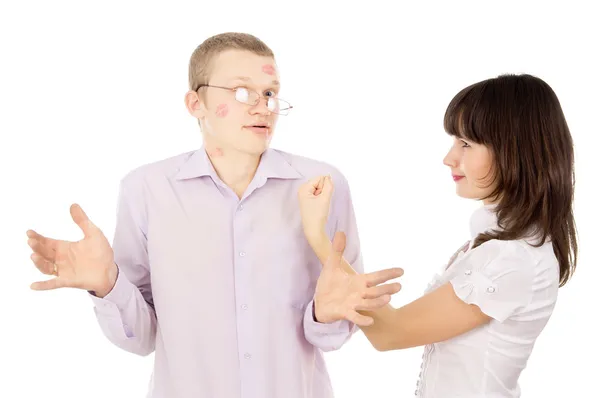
column 519, row 118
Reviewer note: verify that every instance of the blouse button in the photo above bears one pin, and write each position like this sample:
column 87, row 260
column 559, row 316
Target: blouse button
column 491, row 289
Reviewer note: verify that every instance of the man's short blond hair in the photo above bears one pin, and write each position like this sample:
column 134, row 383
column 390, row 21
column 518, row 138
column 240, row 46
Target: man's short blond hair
column 203, row 55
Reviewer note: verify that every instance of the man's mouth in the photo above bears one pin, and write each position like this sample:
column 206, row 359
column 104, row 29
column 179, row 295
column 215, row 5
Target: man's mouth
column 259, row 128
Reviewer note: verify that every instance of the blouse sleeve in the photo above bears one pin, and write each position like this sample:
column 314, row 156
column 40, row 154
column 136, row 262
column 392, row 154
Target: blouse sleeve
column 498, row 277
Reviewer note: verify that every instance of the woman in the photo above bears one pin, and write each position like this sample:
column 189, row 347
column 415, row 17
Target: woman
column 481, row 315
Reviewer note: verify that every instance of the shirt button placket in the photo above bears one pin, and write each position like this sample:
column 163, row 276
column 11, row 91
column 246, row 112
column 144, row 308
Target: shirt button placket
column 241, row 272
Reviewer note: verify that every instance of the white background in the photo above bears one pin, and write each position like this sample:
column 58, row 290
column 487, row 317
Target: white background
column 90, row 90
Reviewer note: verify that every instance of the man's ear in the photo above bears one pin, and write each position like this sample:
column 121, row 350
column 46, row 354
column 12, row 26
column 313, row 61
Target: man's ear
column 195, row 104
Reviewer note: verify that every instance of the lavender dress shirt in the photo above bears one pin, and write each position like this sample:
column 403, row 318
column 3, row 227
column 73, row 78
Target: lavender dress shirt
column 220, row 289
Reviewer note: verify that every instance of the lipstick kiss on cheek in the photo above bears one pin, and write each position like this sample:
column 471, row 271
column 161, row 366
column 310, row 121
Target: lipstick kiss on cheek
column 268, row 69
column 222, row 110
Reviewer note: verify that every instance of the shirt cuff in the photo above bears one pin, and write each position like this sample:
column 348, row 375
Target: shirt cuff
column 117, row 298
column 310, row 323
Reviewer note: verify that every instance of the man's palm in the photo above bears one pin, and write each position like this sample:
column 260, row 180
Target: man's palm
column 84, row 264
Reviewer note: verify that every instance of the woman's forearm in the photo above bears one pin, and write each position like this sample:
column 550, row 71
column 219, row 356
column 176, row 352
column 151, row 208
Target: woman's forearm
column 437, row 316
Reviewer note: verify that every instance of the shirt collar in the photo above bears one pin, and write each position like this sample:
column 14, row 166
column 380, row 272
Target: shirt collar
column 272, row 165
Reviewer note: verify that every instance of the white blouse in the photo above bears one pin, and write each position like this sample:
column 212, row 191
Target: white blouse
column 516, row 285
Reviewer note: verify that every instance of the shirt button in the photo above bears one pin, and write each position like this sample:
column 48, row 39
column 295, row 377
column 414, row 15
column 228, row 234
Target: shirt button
column 244, row 307
column 242, row 254
column 241, row 207
column 247, row 356
column 491, row 289
column 468, row 272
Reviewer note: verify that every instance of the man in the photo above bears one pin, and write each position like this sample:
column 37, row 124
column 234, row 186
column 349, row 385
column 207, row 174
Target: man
column 209, row 267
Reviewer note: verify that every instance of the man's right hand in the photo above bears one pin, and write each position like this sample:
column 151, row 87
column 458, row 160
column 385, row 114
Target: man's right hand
column 340, row 295
column 86, row 264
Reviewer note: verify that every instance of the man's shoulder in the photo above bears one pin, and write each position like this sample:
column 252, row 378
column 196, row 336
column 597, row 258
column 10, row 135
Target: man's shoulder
column 161, row 168
column 311, row 167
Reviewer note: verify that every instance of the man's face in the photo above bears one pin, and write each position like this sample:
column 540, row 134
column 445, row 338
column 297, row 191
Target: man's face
column 230, row 118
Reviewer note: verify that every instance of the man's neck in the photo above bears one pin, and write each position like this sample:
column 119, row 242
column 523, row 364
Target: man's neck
column 234, row 168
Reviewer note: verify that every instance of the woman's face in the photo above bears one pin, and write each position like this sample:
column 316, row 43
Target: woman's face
column 471, row 166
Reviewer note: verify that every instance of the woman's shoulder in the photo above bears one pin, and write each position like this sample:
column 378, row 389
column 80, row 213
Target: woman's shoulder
column 525, row 250
column 510, row 250
column 518, row 255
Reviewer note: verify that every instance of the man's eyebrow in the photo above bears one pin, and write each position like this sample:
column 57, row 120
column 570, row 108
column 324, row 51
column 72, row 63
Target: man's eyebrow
column 247, row 79
column 242, row 78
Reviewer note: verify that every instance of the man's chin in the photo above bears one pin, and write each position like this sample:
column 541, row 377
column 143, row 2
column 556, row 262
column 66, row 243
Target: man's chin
column 255, row 149
column 259, row 146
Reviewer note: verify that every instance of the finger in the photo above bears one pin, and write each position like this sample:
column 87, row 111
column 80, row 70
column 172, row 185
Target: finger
column 319, row 186
column 375, row 278
column 335, row 256
column 339, row 242
column 50, row 284
column 327, row 186
column 81, row 219
column 359, row 319
column 42, row 249
column 372, row 304
column 45, row 266
column 49, row 242
column 381, row 290
column 314, row 182
column 308, row 188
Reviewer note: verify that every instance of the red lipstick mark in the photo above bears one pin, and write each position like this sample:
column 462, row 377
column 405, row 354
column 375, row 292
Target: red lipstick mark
column 268, row 69
column 222, row 110
column 214, row 152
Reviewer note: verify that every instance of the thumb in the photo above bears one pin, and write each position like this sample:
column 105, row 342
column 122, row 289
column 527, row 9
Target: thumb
column 335, row 256
column 81, row 219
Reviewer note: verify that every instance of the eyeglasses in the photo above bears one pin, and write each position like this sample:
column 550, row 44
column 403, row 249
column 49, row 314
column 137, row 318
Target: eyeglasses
column 251, row 97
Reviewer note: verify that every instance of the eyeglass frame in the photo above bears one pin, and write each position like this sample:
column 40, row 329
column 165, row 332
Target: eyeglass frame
column 233, row 89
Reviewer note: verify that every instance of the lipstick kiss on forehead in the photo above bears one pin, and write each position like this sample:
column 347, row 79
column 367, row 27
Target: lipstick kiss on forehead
column 222, row 110
column 268, row 69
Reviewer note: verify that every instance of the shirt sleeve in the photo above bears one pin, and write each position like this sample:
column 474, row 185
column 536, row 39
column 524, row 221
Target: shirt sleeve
column 332, row 336
column 498, row 277
column 126, row 314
